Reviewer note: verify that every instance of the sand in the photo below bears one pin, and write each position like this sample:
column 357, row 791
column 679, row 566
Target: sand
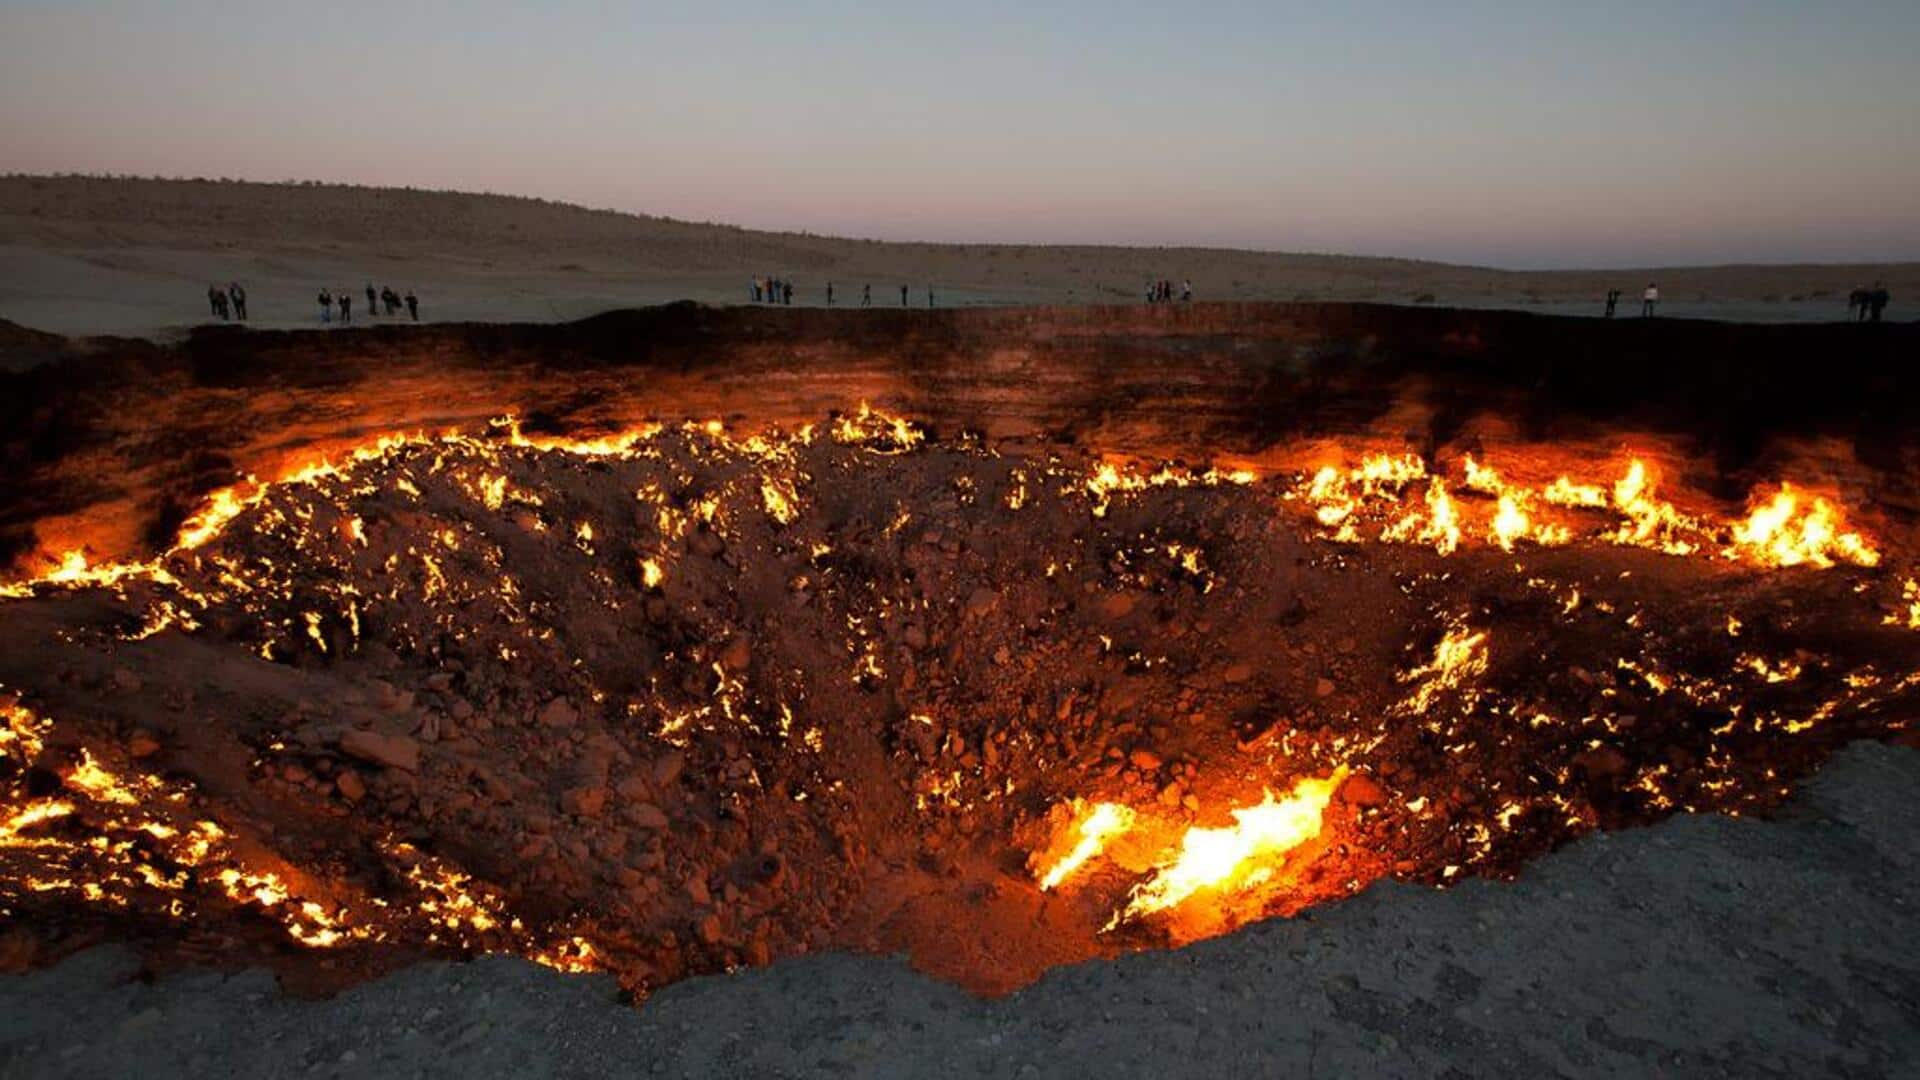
column 134, row 257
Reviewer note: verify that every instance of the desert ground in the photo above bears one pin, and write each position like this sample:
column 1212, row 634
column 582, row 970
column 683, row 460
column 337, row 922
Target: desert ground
column 134, row 257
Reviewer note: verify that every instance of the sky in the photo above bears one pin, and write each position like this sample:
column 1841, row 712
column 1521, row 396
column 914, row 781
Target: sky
column 1523, row 135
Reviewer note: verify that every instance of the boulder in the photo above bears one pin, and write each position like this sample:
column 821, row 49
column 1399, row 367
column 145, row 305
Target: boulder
column 392, row 751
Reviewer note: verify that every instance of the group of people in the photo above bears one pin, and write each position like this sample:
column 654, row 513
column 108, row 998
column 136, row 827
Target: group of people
column 1867, row 305
column 1649, row 300
column 385, row 296
column 1161, row 292
column 772, row 290
column 228, row 303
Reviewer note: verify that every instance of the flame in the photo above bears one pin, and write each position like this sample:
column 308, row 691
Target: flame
column 1102, row 823
column 1241, row 854
column 1459, row 656
column 1780, row 532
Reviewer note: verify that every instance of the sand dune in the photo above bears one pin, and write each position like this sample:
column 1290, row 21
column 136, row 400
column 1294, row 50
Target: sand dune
column 130, row 256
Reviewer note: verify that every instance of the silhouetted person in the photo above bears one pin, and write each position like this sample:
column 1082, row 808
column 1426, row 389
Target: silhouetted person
column 903, row 296
column 220, row 304
column 866, row 296
column 786, row 293
column 413, row 306
column 829, row 294
column 1613, row 301
column 373, row 300
column 213, row 300
column 929, row 296
column 1186, row 290
column 1857, row 305
column 326, row 306
column 753, row 289
column 239, row 297
column 389, row 299
column 346, row 307
column 1649, row 299
column 1877, row 301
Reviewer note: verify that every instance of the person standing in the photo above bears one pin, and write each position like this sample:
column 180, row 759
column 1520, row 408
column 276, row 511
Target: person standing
column 1613, row 301
column 1857, row 306
column 903, row 296
column 1878, row 300
column 346, row 306
column 866, row 295
column 786, row 293
column 753, row 289
column 239, row 297
column 829, row 294
column 413, row 306
column 213, row 300
column 929, row 297
column 373, row 300
column 326, row 306
column 219, row 303
column 1649, row 299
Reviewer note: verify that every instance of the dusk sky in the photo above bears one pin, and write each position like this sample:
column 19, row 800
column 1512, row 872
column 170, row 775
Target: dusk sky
column 1511, row 134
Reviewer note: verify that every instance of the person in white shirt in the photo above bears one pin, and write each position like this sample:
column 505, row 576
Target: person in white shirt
column 1649, row 299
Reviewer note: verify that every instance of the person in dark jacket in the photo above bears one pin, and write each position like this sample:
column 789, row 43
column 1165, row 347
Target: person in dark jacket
column 413, row 306
column 326, row 306
column 239, row 297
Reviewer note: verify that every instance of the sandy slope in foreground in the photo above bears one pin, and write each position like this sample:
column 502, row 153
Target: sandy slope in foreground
column 135, row 257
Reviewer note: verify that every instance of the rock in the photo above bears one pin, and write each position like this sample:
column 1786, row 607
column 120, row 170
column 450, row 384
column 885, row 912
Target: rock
column 634, row 788
column 126, row 681
column 1322, row 686
column 1602, row 763
column 559, row 713
column 350, row 786
column 1363, row 790
column 392, row 751
column 142, row 744
column 1144, row 759
column 737, row 654
column 647, row 816
column 586, row 802
column 1238, row 673
column 980, row 601
column 1118, row 605
column 697, row 891
column 709, row 929
column 667, row 768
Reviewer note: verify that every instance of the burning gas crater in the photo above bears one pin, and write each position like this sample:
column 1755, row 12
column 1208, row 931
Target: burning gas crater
column 681, row 699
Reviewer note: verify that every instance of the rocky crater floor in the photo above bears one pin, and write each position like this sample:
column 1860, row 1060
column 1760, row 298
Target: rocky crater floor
column 1702, row 946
